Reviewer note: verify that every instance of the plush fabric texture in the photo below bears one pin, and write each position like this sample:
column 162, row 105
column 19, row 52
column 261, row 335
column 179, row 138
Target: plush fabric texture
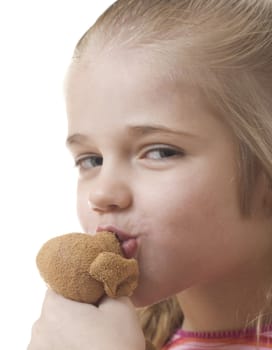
column 84, row 268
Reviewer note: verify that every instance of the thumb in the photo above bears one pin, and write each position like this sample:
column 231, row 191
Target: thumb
column 123, row 313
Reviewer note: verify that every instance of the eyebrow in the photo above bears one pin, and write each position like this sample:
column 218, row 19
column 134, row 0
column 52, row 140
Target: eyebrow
column 133, row 130
column 76, row 139
column 154, row 129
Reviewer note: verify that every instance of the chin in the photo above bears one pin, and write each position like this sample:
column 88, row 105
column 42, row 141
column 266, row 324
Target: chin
column 142, row 298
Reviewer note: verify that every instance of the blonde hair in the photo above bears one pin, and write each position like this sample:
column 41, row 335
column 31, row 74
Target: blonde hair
column 225, row 48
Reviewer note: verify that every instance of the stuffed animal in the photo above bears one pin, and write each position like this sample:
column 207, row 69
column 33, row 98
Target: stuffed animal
column 85, row 268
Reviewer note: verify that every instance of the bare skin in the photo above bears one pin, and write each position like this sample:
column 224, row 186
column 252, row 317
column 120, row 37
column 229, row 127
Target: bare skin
column 155, row 162
column 66, row 324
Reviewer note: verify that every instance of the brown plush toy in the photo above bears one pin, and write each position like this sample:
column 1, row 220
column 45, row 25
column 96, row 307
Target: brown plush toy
column 85, row 268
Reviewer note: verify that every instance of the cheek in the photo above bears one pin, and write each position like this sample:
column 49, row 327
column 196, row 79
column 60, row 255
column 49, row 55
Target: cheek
column 85, row 215
column 187, row 226
column 197, row 195
column 201, row 217
column 193, row 204
column 190, row 223
column 82, row 213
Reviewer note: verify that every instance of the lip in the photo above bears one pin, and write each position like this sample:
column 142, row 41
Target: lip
column 121, row 235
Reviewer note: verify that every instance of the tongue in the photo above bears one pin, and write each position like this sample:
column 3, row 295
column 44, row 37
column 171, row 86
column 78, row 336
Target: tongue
column 130, row 247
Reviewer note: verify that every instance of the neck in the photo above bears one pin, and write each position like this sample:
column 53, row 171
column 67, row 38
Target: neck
column 235, row 302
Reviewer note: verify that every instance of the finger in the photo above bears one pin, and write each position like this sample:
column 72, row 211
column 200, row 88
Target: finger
column 52, row 299
column 124, row 312
column 56, row 304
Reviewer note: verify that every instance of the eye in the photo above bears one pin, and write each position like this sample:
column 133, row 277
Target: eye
column 89, row 162
column 162, row 152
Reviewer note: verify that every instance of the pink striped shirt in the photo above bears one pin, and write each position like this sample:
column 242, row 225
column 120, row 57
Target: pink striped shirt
column 233, row 340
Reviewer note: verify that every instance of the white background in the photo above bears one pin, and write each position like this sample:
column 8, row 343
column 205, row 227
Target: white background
column 37, row 179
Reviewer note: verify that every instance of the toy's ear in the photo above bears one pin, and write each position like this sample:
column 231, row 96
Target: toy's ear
column 118, row 275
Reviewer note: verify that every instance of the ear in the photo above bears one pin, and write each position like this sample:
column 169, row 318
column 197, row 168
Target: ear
column 118, row 274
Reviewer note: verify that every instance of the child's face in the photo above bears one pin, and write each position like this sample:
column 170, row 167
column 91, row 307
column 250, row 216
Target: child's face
column 159, row 166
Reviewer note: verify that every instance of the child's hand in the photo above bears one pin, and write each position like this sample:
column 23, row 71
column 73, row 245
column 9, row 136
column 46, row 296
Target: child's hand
column 65, row 324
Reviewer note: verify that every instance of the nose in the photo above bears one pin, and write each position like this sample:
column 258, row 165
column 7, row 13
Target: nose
column 109, row 193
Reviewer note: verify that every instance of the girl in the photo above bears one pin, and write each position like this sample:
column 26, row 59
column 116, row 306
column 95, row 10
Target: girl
column 170, row 125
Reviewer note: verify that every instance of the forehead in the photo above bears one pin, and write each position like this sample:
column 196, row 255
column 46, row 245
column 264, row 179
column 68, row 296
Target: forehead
column 126, row 86
column 127, row 74
column 114, row 72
